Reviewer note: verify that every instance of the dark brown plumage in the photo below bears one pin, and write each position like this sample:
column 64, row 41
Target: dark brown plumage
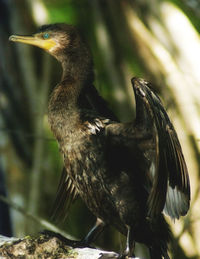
column 126, row 173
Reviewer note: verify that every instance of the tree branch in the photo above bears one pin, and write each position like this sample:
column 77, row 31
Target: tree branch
column 46, row 246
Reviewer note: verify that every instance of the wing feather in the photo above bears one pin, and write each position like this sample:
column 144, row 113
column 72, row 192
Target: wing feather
column 170, row 188
column 65, row 196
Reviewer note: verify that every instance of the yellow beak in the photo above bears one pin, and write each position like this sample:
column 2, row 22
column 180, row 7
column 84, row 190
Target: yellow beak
column 46, row 44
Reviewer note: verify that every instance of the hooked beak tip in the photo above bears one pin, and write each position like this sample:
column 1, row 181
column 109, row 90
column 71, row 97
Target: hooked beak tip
column 12, row 38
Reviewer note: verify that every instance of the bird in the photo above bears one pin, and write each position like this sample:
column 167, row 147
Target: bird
column 128, row 174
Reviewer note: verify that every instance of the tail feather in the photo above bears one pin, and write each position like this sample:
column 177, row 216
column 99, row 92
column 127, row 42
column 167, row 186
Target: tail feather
column 156, row 254
column 161, row 237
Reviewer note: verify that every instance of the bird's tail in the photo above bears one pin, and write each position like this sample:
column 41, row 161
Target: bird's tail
column 161, row 237
column 155, row 254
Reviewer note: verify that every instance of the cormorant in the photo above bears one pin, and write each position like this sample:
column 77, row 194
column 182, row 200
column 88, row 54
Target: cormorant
column 126, row 173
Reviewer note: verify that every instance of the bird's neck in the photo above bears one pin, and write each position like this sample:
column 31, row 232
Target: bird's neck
column 76, row 63
column 77, row 74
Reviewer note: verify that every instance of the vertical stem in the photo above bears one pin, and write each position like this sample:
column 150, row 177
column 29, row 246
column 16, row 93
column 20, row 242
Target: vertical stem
column 120, row 93
column 38, row 152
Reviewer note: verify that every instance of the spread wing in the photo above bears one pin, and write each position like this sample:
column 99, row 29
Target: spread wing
column 65, row 196
column 170, row 181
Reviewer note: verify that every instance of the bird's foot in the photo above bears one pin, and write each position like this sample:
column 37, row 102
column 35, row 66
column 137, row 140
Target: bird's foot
column 122, row 256
column 81, row 244
column 59, row 236
column 50, row 233
column 74, row 243
column 109, row 255
column 125, row 256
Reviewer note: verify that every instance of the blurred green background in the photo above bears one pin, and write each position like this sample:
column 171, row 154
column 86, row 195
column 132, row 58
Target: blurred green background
column 156, row 39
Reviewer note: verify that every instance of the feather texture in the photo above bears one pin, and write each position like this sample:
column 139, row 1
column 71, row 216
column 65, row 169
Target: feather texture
column 170, row 184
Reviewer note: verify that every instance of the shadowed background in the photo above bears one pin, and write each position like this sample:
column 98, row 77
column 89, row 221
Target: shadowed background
column 157, row 40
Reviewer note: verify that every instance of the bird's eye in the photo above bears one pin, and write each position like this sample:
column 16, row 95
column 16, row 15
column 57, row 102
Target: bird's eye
column 46, row 35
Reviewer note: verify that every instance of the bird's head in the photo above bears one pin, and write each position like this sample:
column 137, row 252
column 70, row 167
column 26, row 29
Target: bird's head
column 57, row 39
